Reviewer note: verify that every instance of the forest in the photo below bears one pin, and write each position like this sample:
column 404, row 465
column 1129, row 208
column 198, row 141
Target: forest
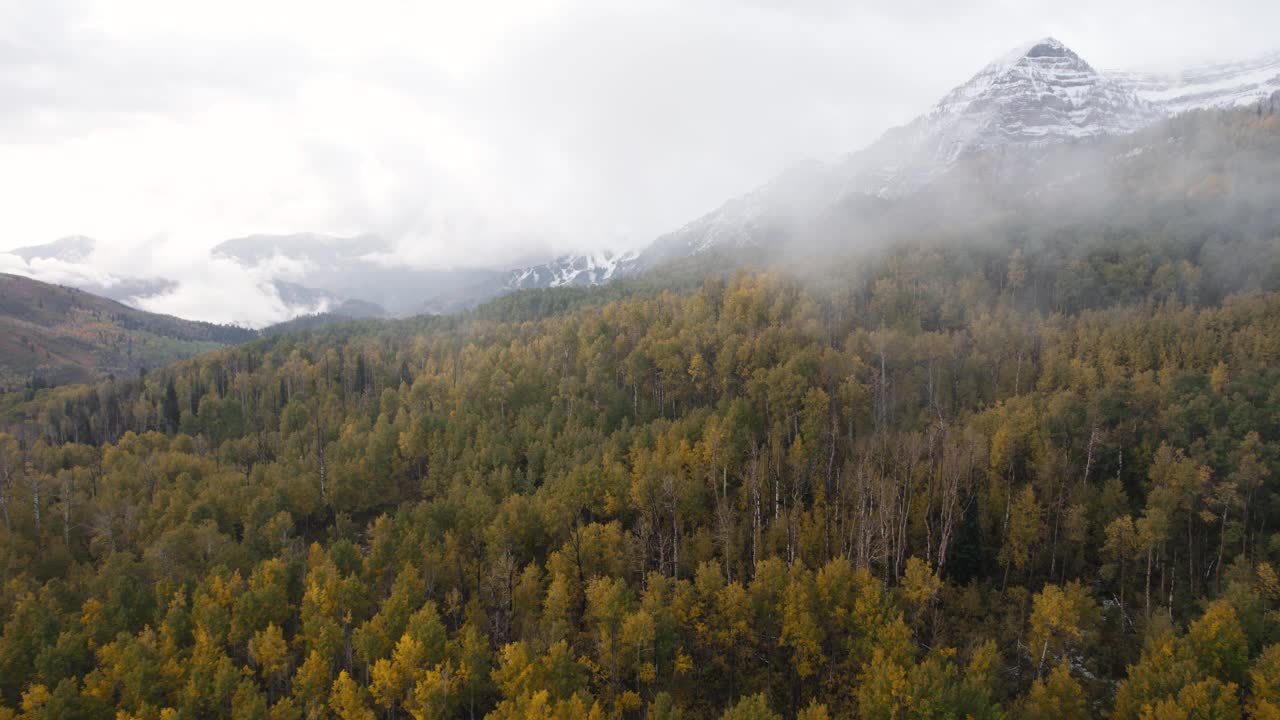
column 1029, row 477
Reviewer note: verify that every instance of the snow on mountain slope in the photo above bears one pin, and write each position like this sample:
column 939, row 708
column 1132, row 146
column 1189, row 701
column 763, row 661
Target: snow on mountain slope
column 1219, row 85
column 1037, row 94
column 564, row 271
column 592, row 269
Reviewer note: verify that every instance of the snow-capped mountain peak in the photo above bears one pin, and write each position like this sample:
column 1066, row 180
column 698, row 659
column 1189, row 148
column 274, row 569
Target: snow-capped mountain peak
column 1039, row 92
column 1044, row 51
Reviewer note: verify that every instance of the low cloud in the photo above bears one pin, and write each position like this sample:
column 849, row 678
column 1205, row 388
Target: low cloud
column 226, row 292
column 194, row 286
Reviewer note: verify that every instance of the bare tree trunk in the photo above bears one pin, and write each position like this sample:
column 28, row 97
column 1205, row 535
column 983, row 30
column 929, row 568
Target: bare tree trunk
column 1191, row 559
column 323, row 469
column 35, row 501
column 1222, row 546
column 67, row 489
column 6, row 480
column 957, row 475
column 675, row 541
column 756, row 502
column 1150, row 552
column 1123, row 565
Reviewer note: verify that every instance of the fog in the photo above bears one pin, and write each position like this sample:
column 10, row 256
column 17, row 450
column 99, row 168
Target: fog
column 1180, row 194
column 487, row 134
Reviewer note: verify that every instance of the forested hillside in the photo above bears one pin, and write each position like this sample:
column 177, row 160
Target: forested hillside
column 52, row 335
column 1004, row 472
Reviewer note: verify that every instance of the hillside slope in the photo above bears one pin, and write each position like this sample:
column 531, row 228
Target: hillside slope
column 53, row 335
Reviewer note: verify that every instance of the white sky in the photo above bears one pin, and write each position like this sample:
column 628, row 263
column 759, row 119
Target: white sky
column 487, row 132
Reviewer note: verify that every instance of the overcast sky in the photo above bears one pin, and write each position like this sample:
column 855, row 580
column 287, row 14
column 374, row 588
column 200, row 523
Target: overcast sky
column 481, row 132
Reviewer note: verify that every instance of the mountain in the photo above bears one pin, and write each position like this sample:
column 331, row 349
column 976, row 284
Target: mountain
column 72, row 248
column 72, row 256
column 323, row 250
column 1039, row 94
column 50, row 335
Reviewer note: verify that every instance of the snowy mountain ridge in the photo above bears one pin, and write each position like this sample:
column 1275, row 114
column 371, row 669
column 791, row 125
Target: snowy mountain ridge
column 1040, row 92
column 1218, row 85
column 592, row 269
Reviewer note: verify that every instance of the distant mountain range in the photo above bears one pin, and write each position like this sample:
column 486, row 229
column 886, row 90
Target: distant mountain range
column 1039, row 94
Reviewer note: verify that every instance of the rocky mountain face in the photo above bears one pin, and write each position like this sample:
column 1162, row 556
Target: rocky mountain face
column 1042, row 92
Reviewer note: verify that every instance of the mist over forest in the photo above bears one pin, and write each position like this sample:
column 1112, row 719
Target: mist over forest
column 980, row 420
